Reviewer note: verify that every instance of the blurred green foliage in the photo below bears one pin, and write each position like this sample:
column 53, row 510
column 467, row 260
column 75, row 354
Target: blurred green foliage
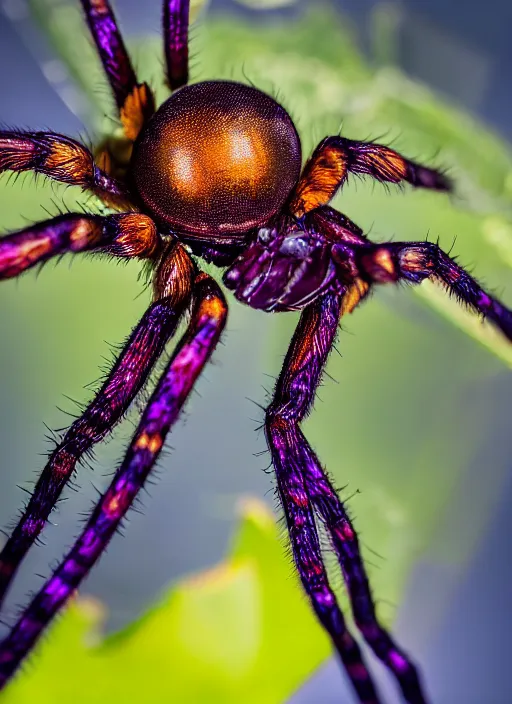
column 213, row 638
column 416, row 401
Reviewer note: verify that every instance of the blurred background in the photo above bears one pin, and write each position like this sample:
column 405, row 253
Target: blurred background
column 417, row 429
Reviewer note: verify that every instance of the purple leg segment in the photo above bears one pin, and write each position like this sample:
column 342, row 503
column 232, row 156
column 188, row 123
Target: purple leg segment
column 308, row 557
column 111, row 48
column 129, row 235
column 346, row 546
column 175, row 21
column 303, row 487
column 293, row 397
column 127, row 377
column 135, row 101
column 192, row 353
column 416, row 261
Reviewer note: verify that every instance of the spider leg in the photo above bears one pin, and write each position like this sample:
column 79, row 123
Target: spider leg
column 336, row 157
column 293, row 397
column 59, row 158
column 308, row 560
column 134, row 101
column 175, row 20
column 303, row 486
column 123, row 235
column 416, row 261
column 346, row 546
column 208, row 318
column 126, row 378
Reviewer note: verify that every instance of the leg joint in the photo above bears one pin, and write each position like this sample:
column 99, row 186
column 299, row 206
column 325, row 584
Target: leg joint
column 279, row 417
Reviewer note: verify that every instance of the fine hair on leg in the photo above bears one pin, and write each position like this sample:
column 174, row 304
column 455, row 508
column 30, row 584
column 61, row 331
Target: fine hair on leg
column 336, row 158
column 414, row 262
column 61, row 159
column 122, row 235
column 124, row 381
column 208, row 317
column 302, row 483
column 135, row 101
column 175, row 24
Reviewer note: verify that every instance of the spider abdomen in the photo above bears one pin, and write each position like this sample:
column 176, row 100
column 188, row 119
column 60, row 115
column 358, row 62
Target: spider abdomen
column 218, row 157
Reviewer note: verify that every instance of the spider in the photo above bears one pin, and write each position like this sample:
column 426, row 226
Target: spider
column 215, row 174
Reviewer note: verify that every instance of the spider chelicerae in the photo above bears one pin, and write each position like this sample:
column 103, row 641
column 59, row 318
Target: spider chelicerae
column 215, row 174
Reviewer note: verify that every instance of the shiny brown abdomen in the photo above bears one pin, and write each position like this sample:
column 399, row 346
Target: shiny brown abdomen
column 217, row 158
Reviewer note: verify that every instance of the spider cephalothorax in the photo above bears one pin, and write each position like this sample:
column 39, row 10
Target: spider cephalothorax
column 216, row 172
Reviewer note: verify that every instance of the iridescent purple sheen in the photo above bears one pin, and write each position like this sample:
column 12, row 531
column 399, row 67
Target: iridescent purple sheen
column 21, row 250
column 304, row 488
column 345, row 544
column 285, row 268
column 175, row 23
column 123, row 383
column 334, row 226
column 113, row 54
column 420, row 260
column 294, row 394
column 193, row 351
column 304, row 255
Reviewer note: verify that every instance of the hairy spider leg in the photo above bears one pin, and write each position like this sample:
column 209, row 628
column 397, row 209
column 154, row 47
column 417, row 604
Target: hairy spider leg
column 293, row 398
column 175, row 21
column 336, row 157
column 303, row 485
column 61, row 159
column 416, row 261
column 109, row 42
column 121, row 234
column 345, row 544
column 126, row 378
column 207, row 321
column 134, row 101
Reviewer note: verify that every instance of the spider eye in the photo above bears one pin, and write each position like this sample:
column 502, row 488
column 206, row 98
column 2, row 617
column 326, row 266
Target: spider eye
column 218, row 157
column 298, row 245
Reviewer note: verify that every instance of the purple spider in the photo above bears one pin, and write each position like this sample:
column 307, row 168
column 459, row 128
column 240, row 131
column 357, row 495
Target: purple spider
column 216, row 174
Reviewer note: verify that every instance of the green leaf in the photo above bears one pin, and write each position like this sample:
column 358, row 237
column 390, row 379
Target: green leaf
column 242, row 631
